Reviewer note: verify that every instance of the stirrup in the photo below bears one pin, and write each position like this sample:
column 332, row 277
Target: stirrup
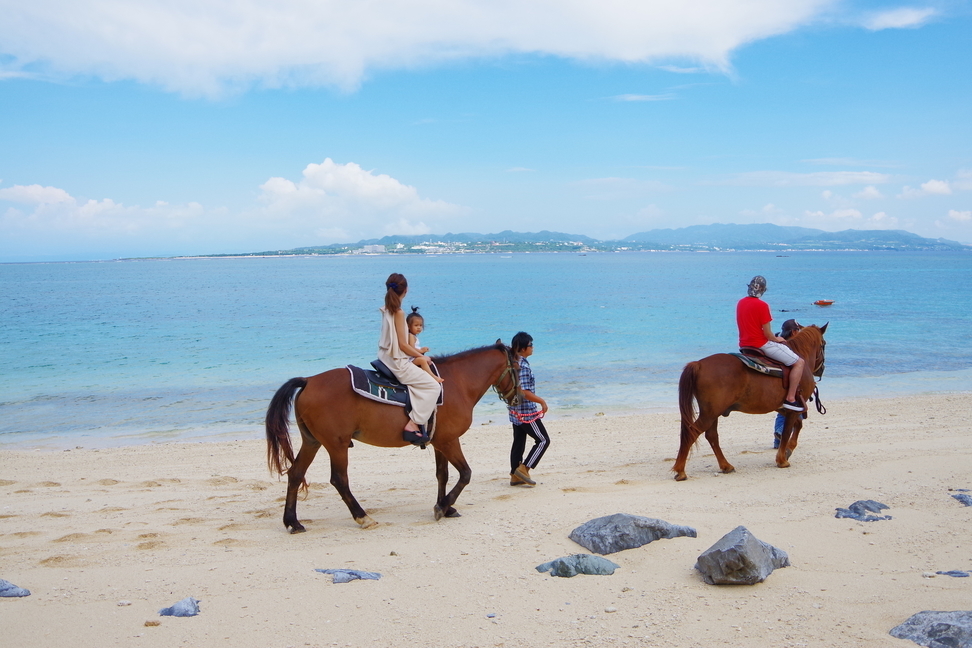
column 419, row 438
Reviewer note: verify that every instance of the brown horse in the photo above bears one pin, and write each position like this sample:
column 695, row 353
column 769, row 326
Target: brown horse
column 331, row 414
column 721, row 384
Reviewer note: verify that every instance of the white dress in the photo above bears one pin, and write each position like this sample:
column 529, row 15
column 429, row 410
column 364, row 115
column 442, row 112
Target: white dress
column 422, row 388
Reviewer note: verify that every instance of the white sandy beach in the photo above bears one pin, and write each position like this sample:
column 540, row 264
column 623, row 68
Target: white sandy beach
column 86, row 529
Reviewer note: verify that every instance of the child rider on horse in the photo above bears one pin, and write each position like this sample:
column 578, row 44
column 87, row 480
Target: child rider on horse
column 753, row 319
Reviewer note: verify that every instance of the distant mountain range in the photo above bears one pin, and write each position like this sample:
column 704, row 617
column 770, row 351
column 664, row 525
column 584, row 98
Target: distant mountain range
column 767, row 236
column 717, row 237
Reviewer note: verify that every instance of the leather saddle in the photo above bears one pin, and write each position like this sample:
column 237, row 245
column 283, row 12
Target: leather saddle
column 756, row 360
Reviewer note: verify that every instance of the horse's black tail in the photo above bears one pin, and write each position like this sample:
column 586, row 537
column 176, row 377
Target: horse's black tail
column 280, row 454
column 686, row 403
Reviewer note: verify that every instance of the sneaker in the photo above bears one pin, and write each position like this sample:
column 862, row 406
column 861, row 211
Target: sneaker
column 793, row 405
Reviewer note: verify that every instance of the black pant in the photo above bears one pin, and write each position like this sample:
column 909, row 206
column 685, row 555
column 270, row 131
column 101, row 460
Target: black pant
column 541, row 440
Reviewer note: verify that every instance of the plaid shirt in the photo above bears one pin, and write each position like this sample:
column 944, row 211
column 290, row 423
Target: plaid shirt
column 526, row 382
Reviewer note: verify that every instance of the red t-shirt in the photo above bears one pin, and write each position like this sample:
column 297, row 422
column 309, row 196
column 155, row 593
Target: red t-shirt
column 751, row 314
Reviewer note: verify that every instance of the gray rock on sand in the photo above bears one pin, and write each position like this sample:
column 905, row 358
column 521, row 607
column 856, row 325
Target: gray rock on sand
column 861, row 509
column 187, row 607
column 8, row 589
column 613, row 533
column 937, row 629
column 569, row 566
column 739, row 558
column 348, row 575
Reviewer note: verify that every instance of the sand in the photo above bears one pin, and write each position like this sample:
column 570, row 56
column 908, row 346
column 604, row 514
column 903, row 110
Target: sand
column 88, row 530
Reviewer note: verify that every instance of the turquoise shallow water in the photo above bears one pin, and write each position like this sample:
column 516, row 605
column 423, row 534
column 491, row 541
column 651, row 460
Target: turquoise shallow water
column 136, row 351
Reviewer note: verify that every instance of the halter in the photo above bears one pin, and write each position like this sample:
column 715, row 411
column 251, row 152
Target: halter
column 509, row 396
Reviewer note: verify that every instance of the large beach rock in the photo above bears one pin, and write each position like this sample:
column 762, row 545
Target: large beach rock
column 8, row 589
column 937, row 629
column 569, row 566
column 862, row 509
column 739, row 558
column 613, row 533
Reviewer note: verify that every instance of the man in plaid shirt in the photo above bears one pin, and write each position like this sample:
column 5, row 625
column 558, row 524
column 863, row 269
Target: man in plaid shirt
column 525, row 417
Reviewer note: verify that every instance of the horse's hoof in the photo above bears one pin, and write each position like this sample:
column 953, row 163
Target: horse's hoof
column 783, row 464
column 680, row 476
column 728, row 469
column 297, row 528
column 437, row 512
column 452, row 513
column 366, row 522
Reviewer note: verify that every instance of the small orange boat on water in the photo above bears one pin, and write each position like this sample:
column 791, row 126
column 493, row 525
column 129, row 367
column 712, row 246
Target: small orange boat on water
column 823, row 302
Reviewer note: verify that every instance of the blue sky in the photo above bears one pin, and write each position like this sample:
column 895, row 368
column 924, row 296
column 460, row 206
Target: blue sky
column 165, row 127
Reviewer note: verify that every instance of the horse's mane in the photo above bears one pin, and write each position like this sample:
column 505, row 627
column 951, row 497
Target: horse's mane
column 802, row 340
column 468, row 352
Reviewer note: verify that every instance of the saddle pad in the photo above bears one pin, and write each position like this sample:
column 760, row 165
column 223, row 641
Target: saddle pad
column 377, row 387
column 755, row 365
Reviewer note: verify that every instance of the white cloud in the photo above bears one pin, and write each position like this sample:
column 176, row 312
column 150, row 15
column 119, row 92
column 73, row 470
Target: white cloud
column 936, row 187
column 846, row 218
column 677, row 69
column 344, row 202
column 768, row 209
column 930, row 188
column 869, row 192
column 35, row 195
column 883, row 221
column 641, row 97
column 963, row 180
column 817, row 179
column 900, row 18
column 960, row 216
column 331, row 203
column 212, row 46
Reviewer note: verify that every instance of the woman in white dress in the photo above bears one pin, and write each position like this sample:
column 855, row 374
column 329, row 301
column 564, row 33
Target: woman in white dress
column 395, row 351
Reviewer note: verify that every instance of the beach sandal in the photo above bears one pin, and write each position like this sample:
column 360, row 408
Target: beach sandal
column 419, row 437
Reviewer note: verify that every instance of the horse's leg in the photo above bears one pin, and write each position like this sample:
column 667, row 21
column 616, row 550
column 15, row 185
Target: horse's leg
column 688, row 436
column 788, row 442
column 295, row 478
column 339, row 479
column 712, row 436
column 442, row 477
column 445, row 454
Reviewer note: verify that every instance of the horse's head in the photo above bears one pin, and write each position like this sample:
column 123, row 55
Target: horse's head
column 812, row 343
column 507, row 386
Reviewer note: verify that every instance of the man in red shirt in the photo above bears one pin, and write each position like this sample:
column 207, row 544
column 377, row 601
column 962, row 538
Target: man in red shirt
column 753, row 319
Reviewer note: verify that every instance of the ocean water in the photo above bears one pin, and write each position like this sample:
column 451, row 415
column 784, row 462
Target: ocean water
column 143, row 351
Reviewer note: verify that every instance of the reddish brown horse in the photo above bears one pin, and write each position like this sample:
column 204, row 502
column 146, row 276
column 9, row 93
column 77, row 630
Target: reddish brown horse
column 721, row 384
column 331, row 414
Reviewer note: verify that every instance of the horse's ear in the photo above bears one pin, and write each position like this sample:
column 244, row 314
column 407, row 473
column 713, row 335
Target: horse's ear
column 500, row 341
column 823, row 329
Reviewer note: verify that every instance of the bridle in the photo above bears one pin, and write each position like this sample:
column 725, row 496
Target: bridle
column 511, row 395
column 818, row 371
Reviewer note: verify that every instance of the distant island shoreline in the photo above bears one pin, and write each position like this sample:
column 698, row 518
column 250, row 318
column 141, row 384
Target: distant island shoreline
column 696, row 238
